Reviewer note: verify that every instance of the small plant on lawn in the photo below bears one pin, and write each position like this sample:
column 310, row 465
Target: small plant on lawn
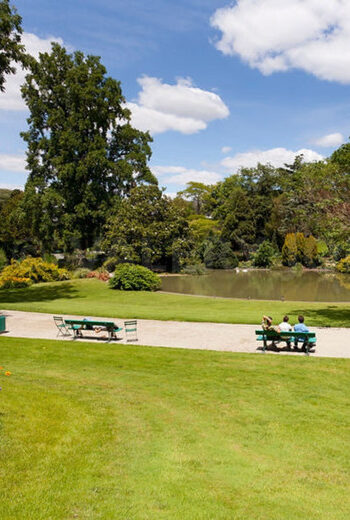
column 130, row 277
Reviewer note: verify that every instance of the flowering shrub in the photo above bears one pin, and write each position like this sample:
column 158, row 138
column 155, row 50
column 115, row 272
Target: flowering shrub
column 100, row 275
column 129, row 277
column 30, row 270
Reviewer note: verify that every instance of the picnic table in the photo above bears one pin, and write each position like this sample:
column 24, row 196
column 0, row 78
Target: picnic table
column 306, row 338
column 78, row 326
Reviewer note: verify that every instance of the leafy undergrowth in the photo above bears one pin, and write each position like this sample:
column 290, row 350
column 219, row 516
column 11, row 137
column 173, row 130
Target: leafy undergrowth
column 129, row 432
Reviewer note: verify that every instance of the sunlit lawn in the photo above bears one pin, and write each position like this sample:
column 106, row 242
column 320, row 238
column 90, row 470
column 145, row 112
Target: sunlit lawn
column 94, row 298
column 128, row 432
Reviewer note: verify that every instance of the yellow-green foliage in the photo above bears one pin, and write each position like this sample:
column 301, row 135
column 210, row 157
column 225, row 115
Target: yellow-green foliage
column 30, row 270
column 344, row 265
column 299, row 248
column 289, row 250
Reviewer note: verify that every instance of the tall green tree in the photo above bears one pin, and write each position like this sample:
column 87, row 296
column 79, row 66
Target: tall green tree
column 147, row 228
column 82, row 151
column 11, row 49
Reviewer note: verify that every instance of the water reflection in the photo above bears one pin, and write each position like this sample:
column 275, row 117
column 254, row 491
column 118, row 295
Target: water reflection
column 264, row 285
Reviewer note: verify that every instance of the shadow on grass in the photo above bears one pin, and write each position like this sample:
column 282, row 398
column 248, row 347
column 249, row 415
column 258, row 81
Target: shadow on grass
column 331, row 316
column 39, row 293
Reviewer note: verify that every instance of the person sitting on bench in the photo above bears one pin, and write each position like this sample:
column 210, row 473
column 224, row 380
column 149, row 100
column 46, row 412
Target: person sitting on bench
column 300, row 327
column 285, row 326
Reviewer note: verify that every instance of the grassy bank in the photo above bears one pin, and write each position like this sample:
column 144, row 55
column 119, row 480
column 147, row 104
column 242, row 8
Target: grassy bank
column 102, row 432
column 94, row 298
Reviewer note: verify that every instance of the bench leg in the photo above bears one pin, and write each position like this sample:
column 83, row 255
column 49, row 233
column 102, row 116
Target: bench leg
column 265, row 345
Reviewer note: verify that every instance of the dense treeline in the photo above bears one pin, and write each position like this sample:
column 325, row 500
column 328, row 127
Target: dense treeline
column 264, row 215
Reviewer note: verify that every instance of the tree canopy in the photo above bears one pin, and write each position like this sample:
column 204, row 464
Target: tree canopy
column 11, row 49
column 82, row 151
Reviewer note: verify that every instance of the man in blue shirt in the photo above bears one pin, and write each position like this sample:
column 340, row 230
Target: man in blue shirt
column 301, row 327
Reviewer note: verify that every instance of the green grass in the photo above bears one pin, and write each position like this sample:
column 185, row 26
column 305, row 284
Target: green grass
column 94, row 298
column 128, row 432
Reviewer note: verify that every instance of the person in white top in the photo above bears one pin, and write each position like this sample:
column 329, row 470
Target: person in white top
column 284, row 326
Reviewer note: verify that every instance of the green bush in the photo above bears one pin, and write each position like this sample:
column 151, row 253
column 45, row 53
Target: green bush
column 264, row 255
column 30, row 270
column 130, row 277
column 344, row 265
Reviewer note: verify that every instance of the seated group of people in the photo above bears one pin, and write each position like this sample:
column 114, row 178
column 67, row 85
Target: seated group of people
column 285, row 326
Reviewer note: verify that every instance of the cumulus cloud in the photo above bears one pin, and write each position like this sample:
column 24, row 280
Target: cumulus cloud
column 330, row 140
column 181, row 175
column 12, row 163
column 226, row 149
column 181, row 107
column 12, row 99
column 277, row 35
column 276, row 157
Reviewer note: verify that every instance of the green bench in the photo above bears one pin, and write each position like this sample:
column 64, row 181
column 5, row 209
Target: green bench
column 306, row 338
column 77, row 326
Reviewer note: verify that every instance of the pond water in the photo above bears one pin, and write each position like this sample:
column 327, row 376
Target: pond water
column 264, row 285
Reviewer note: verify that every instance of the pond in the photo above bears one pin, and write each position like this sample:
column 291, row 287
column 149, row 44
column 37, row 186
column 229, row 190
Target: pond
column 264, row 285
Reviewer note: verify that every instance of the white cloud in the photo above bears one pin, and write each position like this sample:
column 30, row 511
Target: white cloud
column 277, row 35
column 12, row 99
column 330, row 140
column 180, row 175
column 12, row 163
column 182, row 107
column 226, row 149
column 276, row 157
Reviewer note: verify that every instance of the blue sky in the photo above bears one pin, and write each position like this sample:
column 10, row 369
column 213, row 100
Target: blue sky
column 219, row 84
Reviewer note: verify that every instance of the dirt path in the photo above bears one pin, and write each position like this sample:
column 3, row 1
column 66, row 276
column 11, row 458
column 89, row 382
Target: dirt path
column 331, row 342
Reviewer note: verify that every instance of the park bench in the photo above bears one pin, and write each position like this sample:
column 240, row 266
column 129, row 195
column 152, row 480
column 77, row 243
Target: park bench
column 307, row 338
column 78, row 326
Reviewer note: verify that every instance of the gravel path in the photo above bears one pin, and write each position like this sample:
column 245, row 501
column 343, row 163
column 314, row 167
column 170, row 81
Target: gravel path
column 331, row 342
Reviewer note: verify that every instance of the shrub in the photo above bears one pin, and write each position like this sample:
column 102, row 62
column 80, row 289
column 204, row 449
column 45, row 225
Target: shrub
column 100, row 274
column 289, row 250
column 264, row 255
column 195, row 269
column 344, row 265
column 14, row 282
column 310, row 255
column 298, row 248
column 81, row 272
column 130, row 277
column 33, row 269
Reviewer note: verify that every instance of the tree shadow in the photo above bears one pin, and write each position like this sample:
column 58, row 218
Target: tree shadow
column 331, row 316
column 39, row 293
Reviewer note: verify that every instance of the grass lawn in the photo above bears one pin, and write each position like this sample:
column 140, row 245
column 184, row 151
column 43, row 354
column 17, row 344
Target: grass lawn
column 94, row 298
column 128, row 432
